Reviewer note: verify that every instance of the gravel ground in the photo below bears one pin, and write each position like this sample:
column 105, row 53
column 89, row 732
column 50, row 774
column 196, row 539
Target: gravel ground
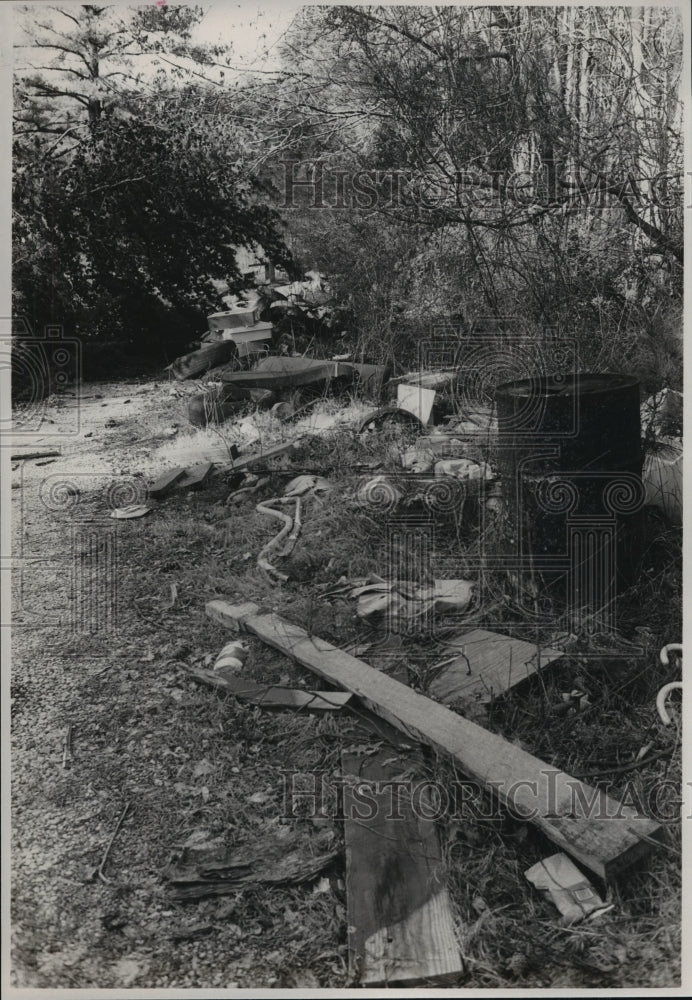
column 67, row 929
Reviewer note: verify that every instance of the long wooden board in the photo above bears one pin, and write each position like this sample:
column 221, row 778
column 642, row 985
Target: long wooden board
column 401, row 926
column 602, row 834
column 488, row 665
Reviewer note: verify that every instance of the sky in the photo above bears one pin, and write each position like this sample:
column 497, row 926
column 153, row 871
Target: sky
column 254, row 30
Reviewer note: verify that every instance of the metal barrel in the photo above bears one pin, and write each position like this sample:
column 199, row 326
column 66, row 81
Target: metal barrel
column 570, row 456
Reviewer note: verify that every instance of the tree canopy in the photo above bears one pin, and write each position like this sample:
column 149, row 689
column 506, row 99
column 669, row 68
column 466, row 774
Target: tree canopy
column 434, row 160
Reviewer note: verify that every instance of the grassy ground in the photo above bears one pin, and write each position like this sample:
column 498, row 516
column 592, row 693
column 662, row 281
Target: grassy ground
column 191, row 761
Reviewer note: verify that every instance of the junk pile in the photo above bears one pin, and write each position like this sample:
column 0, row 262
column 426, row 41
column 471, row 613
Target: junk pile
column 274, row 380
column 402, row 931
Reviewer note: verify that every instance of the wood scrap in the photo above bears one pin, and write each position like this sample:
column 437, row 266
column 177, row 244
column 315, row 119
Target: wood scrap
column 401, row 926
column 277, row 858
column 602, row 834
column 265, row 455
column 165, row 483
column 486, row 666
column 196, row 477
column 269, row 696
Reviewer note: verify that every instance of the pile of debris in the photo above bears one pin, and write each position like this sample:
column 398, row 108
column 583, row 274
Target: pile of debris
column 401, row 929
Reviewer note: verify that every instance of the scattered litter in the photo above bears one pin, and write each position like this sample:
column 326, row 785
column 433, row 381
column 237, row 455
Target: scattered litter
column 174, row 598
column 306, row 484
column 662, row 479
column 417, row 459
column 486, row 665
column 237, row 496
column 231, row 658
column 267, row 696
column 560, row 880
column 98, row 871
column 404, row 599
column 125, row 513
column 672, row 649
column 322, row 886
column 289, row 532
column 67, row 748
column 126, row 970
column 200, row 361
column 452, row 595
column 417, row 400
column 388, row 415
column 283, row 410
column 259, row 799
column 661, row 701
column 463, row 469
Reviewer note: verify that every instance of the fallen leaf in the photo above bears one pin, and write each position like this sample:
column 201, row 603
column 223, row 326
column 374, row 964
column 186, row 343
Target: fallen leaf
column 204, row 767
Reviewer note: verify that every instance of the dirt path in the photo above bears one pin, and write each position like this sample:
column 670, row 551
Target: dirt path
column 82, row 657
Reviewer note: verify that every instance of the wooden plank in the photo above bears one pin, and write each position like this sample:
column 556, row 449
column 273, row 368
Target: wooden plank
column 400, row 921
column 165, row 483
column 196, row 477
column 584, row 822
column 488, row 665
column 267, row 696
column 247, row 460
